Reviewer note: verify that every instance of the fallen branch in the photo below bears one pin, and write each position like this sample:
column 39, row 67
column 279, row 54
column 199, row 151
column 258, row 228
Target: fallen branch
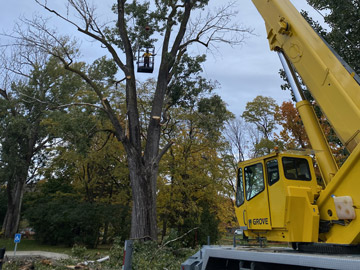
column 173, row 240
column 99, row 260
column 182, row 236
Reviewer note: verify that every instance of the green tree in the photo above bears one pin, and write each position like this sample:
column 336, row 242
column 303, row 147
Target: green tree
column 343, row 17
column 261, row 112
column 190, row 181
column 100, row 177
column 343, row 37
column 85, row 191
column 24, row 111
column 193, row 178
column 171, row 20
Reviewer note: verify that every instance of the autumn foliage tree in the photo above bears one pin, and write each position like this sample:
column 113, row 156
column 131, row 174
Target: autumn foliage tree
column 193, row 182
column 136, row 25
column 293, row 134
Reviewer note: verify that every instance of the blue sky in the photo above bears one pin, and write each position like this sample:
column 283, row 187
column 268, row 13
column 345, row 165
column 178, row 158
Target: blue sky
column 243, row 71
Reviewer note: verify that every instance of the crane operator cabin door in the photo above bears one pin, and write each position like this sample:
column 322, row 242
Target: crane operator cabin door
column 256, row 198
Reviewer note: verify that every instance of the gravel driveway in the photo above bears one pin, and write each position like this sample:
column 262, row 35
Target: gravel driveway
column 44, row 254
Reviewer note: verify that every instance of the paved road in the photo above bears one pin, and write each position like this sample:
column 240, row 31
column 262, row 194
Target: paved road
column 45, row 254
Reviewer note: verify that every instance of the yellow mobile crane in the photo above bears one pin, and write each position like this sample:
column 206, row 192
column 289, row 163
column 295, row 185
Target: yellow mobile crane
column 278, row 197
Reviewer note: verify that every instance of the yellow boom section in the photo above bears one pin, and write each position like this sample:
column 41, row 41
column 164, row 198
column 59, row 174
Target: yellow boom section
column 332, row 86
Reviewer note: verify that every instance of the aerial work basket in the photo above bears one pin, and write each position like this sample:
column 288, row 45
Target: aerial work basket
column 145, row 59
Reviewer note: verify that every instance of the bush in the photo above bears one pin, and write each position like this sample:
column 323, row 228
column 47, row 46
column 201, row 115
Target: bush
column 116, row 254
column 68, row 220
column 148, row 255
column 63, row 220
column 78, row 251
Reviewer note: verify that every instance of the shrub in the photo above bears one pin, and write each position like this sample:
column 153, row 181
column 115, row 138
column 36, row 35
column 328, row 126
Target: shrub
column 68, row 220
column 148, row 255
column 78, row 251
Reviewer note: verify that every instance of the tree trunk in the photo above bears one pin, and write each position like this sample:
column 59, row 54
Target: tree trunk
column 164, row 228
column 143, row 216
column 15, row 197
column 105, row 236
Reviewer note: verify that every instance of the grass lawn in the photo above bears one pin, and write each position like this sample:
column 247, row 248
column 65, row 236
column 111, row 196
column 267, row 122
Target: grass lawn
column 32, row 245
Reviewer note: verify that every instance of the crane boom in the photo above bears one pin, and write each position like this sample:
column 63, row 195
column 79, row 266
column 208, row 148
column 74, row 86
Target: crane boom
column 331, row 85
column 278, row 196
column 336, row 89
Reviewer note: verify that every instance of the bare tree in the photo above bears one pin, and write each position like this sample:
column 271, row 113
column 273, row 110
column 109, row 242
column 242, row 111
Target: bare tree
column 255, row 137
column 236, row 133
column 171, row 19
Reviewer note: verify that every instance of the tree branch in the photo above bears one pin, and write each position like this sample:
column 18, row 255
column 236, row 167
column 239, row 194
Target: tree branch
column 119, row 131
column 124, row 37
column 171, row 241
column 86, row 31
column 64, row 105
column 4, row 94
column 181, row 33
column 162, row 152
column 215, row 28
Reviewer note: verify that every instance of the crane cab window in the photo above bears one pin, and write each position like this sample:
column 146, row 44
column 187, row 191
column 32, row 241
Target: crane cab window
column 296, row 168
column 239, row 189
column 254, row 180
column 272, row 170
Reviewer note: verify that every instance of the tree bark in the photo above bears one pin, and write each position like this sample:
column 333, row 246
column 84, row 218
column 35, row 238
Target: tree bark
column 15, row 197
column 17, row 182
column 143, row 218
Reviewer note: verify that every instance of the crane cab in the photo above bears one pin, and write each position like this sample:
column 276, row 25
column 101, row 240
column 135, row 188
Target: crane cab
column 275, row 198
column 145, row 60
